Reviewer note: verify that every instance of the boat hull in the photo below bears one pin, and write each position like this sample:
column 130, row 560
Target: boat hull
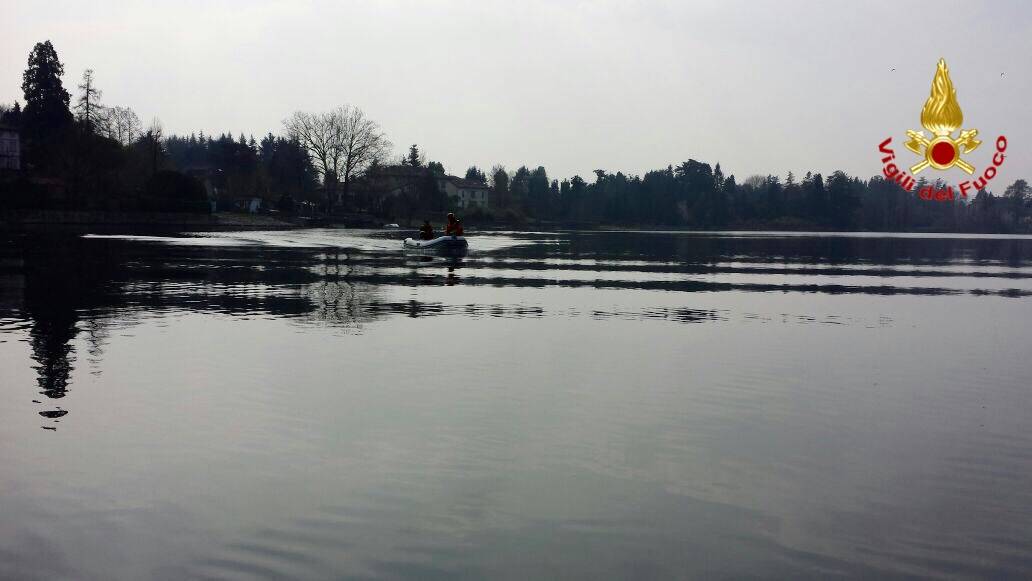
column 451, row 243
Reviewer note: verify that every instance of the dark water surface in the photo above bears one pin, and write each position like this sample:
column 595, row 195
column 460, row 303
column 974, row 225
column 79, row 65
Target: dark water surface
column 320, row 404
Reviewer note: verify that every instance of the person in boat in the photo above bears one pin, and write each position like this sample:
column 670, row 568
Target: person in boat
column 454, row 226
column 426, row 231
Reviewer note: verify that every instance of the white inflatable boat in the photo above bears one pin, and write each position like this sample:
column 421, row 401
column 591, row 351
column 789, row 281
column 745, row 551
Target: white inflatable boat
column 439, row 243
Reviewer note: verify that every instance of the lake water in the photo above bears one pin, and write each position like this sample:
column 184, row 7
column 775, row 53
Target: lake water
column 321, row 404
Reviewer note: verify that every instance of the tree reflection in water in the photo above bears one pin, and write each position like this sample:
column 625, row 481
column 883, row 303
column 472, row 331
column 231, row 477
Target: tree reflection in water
column 63, row 289
column 61, row 281
column 336, row 302
column 52, row 333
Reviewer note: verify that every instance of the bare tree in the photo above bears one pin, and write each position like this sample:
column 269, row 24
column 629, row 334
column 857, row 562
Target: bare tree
column 123, row 125
column 155, row 133
column 342, row 143
column 88, row 109
column 365, row 144
column 316, row 133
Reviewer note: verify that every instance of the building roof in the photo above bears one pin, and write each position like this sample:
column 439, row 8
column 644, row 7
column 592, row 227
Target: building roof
column 401, row 171
column 464, row 183
column 406, row 173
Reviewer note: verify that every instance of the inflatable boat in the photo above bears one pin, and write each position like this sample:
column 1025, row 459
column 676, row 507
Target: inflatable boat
column 439, row 243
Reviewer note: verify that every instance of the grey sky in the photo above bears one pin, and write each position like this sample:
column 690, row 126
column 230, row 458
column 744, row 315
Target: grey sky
column 761, row 87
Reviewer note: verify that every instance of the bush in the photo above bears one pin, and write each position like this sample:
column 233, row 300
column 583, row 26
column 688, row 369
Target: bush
column 19, row 193
column 286, row 204
column 171, row 191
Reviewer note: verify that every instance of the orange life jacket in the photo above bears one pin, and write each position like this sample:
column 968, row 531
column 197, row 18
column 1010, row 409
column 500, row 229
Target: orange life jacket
column 453, row 229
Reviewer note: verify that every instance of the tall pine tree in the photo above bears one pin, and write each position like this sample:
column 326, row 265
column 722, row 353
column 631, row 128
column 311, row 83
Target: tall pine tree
column 46, row 117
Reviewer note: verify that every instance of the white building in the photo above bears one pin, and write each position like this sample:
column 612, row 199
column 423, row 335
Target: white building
column 396, row 180
column 466, row 193
column 10, row 148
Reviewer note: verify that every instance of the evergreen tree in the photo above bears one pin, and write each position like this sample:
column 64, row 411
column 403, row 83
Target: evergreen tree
column 841, row 201
column 730, row 187
column 414, row 158
column 816, row 198
column 774, row 206
column 11, row 115
column 518, row 188
column 537, row 192
column 46, row 116
column 500, row 187
column 565, row 200
column 46, row 100
column 719, row 207
column 474, row 174
column 578, row 198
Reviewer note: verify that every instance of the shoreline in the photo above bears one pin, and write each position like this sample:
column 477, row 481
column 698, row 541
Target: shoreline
column 61, row 221
column 104, row 222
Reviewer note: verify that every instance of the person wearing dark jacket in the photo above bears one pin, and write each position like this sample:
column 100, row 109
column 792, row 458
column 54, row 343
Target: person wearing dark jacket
column 426, row 232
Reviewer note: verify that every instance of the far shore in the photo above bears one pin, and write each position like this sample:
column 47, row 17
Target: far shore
column 89, row 220
column 92, row 221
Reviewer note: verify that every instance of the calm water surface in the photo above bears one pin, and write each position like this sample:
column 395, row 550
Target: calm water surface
column 321, row 404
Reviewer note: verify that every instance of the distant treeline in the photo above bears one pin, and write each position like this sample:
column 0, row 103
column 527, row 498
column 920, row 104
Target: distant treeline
column 695, row 195
column 88, row 155
column 273, row 168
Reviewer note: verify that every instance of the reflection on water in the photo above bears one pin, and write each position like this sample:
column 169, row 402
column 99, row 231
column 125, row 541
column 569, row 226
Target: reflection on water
column 320, row 403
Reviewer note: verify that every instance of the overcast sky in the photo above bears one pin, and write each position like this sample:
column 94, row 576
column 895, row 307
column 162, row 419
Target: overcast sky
column 761, row 87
